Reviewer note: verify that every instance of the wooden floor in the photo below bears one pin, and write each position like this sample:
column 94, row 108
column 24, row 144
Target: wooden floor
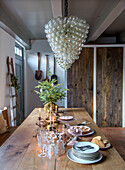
column 116, row 135
column 5, row 136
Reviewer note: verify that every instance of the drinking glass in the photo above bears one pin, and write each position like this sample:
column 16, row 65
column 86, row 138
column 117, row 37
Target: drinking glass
column 50, row 144
column 59, row 148
column 42, row 144
column 50, row 151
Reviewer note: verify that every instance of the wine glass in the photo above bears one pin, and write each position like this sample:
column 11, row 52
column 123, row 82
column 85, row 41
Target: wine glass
column 59, row 148
column 42, row 144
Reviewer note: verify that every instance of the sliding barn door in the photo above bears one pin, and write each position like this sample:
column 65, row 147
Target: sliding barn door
column 80, row 81
column 109, row 86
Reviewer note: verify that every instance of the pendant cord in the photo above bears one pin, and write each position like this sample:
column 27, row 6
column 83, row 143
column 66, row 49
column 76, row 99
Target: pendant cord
column 66, row 8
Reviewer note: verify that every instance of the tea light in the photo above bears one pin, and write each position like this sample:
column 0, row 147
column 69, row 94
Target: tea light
column 39, row 112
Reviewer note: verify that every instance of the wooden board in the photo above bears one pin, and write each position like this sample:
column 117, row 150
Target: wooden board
column 80, row 81
column 109, row 86
column 21, row 150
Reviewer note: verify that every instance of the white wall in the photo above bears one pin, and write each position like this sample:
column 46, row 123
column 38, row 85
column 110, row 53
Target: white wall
column 7, row 47
column 43, row 47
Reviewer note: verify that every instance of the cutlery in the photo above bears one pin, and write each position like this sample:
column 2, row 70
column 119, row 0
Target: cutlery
column 84, row 148
column 84, row 123
column 69, row 140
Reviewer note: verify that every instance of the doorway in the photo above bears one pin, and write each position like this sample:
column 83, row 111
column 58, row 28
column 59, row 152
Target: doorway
column 19, row 71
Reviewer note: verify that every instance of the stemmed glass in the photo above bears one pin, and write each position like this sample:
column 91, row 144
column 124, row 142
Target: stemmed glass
column 75, row 133
column 42, row 139
column 50, row 145
column 59, row 148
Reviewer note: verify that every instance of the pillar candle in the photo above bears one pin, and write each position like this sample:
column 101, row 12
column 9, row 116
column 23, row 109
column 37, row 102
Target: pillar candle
column 50, row 120
column 56, row 108
column 47, row 113
column 39, row 112
column 53, row 120
column 50, row 110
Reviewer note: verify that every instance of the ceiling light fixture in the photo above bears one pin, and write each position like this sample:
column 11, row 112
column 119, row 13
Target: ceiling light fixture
column 66, row 37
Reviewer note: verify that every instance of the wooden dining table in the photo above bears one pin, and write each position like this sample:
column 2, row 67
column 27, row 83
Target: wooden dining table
column 21, row 149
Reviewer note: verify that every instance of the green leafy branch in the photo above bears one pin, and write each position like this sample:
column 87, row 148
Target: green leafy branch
column 15, row 82
column 50, row 93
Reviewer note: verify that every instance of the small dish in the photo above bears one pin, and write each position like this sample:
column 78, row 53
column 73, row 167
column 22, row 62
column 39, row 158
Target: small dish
column 107, row 146
column 86, row 131
column 66, row 118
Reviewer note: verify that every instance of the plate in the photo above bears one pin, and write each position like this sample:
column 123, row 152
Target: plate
column 94, row 148
column 91, row 131
column 88, row 134
column 66, row 118
column 82, row 161
column 108, row 145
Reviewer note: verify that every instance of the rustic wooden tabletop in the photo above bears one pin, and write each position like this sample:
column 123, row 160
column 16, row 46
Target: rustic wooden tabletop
column 21, row 149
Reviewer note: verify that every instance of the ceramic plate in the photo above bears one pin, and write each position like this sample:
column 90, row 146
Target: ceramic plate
column 94, row 147
column 108, row 145
column 82, row 161
column 86, row 134
column 66, row 118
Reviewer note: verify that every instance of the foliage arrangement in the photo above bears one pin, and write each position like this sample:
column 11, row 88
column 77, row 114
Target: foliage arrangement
column 48, row 92
column 15, row 82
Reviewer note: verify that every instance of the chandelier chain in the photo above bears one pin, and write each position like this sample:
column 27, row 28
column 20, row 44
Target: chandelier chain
column 66, row 8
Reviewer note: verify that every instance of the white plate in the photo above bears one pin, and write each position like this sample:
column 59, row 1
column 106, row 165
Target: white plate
column 84, row 135
column 82, row 161
column 66, row 118
column 108, row 145
column 93, row 150
column 88, row 134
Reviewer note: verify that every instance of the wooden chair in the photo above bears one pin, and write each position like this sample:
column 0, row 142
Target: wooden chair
column 10, row 129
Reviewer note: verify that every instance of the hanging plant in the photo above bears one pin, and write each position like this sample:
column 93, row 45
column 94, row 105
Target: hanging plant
column 15, row 82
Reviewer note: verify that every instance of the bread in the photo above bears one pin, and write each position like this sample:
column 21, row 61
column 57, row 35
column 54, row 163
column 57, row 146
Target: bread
column 97, row 140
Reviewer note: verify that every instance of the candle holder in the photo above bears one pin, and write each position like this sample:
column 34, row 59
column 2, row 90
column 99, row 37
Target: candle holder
column 42, row 122
column 39, row 118
column 50, row 128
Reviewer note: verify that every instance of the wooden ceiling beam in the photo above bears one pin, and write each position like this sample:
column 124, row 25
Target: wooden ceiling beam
column 56, row 8
column 106, row 18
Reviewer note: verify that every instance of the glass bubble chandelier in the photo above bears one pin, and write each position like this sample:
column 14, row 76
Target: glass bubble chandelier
column 66, row 37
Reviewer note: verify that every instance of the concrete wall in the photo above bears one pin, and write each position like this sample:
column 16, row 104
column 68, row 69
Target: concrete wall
column 43, row 47
column 7, row 47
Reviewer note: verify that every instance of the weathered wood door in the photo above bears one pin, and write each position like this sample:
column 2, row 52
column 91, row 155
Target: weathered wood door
column 80, row 81
column 109, row 86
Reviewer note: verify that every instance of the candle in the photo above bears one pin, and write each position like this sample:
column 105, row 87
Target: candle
column 47, row 113
column 56, row 108
column 50, row 110
column 53, row 120
column 39, row 112
column 50, row 121
column 77, row 130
